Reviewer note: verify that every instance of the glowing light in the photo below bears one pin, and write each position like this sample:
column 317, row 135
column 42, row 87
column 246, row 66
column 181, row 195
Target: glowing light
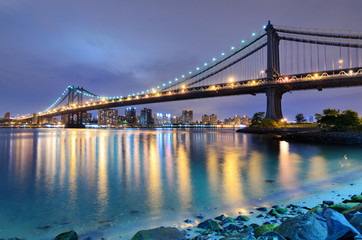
column 214, row 59
column 183, row 87
column 232, row 48
column 351, row 72
column 264, row 27
column 253, row 34
column 222, row 54
column 163, row 84
column 340, row 61
column 183, row 76
column 242, row 41
column 316, row 75
column 168, row 82
column 154, row 91
column 205, row 64
column 190, row 72
column 231, row 80
column 286, row 78
column 197, row 68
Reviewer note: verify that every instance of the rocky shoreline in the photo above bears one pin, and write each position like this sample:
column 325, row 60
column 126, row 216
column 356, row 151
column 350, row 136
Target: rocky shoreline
column 328, row 220
column 309, row 135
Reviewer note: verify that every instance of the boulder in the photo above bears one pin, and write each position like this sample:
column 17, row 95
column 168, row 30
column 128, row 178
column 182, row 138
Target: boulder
column 242, row 218
column 228, row 220
column 231, row 227
column 159, row 234
column 221, row 217
column 338, row 226
column 262, row 209
column 281, row 210
column 356, row 221
column 71, row 235
column 241, row 236
column 302, row 227
column 340, row 207
column 355, row 199
column 210, row 224
column 355, row 209
column 264, row 228
column 271, row 236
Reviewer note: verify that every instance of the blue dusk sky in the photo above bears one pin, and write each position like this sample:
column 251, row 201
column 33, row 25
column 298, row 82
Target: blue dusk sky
column 119, row 47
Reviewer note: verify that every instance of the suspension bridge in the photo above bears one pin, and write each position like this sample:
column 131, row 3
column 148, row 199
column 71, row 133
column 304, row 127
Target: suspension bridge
column 273, row 61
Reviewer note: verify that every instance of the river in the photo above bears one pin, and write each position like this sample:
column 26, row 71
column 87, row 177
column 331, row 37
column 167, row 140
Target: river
column 121, row 180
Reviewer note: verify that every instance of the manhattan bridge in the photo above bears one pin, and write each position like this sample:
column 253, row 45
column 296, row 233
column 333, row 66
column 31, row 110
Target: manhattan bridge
column 273, row 61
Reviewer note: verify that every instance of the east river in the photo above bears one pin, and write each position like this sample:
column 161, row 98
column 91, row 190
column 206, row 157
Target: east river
column 54, row 180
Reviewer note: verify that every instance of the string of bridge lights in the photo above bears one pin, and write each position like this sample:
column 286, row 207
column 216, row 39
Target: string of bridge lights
column 170, row 83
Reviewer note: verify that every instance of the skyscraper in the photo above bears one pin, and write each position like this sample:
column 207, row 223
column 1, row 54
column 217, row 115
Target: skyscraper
column 131, row 115
column 146, row 116
column 213, row 119
column 107, row 116
column 205, row 119
column 187, row 117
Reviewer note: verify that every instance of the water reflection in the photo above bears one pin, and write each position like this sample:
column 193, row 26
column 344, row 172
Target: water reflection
column 77, row 175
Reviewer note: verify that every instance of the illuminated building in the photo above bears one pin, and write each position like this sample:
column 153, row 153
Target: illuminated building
column 131, row 115
column 107, row 116
column 146, row 116
column 237, row 120
column 187, row 117
column 205, row 119
column 213, row 119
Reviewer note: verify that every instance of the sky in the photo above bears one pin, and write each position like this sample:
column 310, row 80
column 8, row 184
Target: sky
column 118, row 47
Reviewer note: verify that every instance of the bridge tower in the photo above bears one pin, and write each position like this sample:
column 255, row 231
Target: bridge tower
column 273, row 94
column 75, row 98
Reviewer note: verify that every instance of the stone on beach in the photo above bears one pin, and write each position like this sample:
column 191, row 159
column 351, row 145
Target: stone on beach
column 71, row 235
column 168, row 233
column 338, row 226
column 262, row 209
column 271, row 236
column 241, row 236
column 303, row 227
column 242, row 218
column 340, row 207
column 210, row 225
column 356, row 222
column 264, row 228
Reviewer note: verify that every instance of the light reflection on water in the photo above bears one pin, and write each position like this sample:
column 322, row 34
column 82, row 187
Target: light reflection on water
column 80, row 178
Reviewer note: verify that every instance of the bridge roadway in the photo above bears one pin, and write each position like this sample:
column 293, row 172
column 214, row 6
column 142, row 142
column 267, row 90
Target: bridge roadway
column 306, row 81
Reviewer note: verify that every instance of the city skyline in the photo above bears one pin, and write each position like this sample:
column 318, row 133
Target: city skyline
column 114, row 51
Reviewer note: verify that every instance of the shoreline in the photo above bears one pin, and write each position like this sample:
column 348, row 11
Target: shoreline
column 309, row 195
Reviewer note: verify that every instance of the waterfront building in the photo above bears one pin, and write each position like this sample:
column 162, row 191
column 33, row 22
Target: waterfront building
column 229, row 121
column 107, row 116
column 146, row 116
column 87, row 117
column 213, row 119
column 237, row 120
column 205, row 119
column 131, row 115
column 7, row 116
column 175, row 120
column 245, row 120
column 187, row 117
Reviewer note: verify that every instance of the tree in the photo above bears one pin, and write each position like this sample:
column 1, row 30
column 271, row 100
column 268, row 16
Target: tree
column 257, row 118
column 299, row 118
column 333, row 119
column 268, row 123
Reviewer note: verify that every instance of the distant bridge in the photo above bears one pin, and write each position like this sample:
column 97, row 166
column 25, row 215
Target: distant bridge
column 274, row 61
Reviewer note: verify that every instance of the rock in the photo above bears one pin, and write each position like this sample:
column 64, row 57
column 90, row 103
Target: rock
column 329, row 203
column 168, row 233
column 228, row 220
column 221, row 217
column 356, row 222
column 340, row 207
column 71, row 235
column 262, row 209
column 241, row 236
column 273, row 212
column 355, row 199
column 359, row 237
column 264, row 228
column 188, row 221
column 260, row 216
column 232, row 227
column 242, row 218
column 302, row 227
column 293, row 206
column 254, row 225
column 210, row 224
column 338, row 226
column 281, row 210
column 355, row 209
column 271, row 236
column 314, row 209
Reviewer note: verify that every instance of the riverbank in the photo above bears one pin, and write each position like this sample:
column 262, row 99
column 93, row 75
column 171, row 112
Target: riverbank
column 311, row 214
column 309, row 135
column 268, row 211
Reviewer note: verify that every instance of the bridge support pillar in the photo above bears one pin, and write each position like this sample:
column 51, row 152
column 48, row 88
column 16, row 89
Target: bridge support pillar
column 77, row 123
column 274, row 104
